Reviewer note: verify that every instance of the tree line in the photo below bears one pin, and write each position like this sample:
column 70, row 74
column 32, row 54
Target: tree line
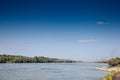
column 4, row 58
column 114, row 62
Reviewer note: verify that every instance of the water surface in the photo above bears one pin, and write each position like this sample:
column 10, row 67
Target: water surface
column 51, row 71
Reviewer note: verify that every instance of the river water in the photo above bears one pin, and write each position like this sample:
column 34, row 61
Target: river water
column 51, row 71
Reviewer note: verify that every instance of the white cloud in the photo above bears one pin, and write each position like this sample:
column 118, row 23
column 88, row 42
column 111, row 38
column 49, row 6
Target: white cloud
column 101, row 22
column 88, row 41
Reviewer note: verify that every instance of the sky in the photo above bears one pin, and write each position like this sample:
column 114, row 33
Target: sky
column 67, row 29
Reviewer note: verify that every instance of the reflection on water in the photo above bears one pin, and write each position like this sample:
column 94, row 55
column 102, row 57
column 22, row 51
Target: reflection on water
column 51, row 71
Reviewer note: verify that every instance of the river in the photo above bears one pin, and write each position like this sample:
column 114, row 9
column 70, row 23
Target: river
column 51, row 71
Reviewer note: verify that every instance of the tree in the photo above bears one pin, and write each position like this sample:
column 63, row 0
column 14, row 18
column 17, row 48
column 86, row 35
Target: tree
column 114, row 62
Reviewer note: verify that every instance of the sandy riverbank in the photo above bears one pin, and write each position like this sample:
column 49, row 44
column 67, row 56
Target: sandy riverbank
column 109, row 69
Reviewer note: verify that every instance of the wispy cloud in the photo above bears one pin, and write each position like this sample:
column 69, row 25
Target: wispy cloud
column 88, row 41
column 101, row 22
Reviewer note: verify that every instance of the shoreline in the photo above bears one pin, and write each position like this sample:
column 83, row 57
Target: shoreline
column 108, row 69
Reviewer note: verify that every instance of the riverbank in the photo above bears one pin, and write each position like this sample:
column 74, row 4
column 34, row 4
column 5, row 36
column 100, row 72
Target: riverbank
column 108, row 69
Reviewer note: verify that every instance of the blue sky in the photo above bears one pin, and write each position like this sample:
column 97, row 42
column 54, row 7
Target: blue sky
column 74, row 29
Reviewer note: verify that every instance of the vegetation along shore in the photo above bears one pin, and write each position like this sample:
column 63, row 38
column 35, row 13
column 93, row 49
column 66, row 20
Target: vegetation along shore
column 113, row 68
column 37, row 59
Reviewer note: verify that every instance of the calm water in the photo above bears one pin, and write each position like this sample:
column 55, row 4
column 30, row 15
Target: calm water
column 51, row 71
